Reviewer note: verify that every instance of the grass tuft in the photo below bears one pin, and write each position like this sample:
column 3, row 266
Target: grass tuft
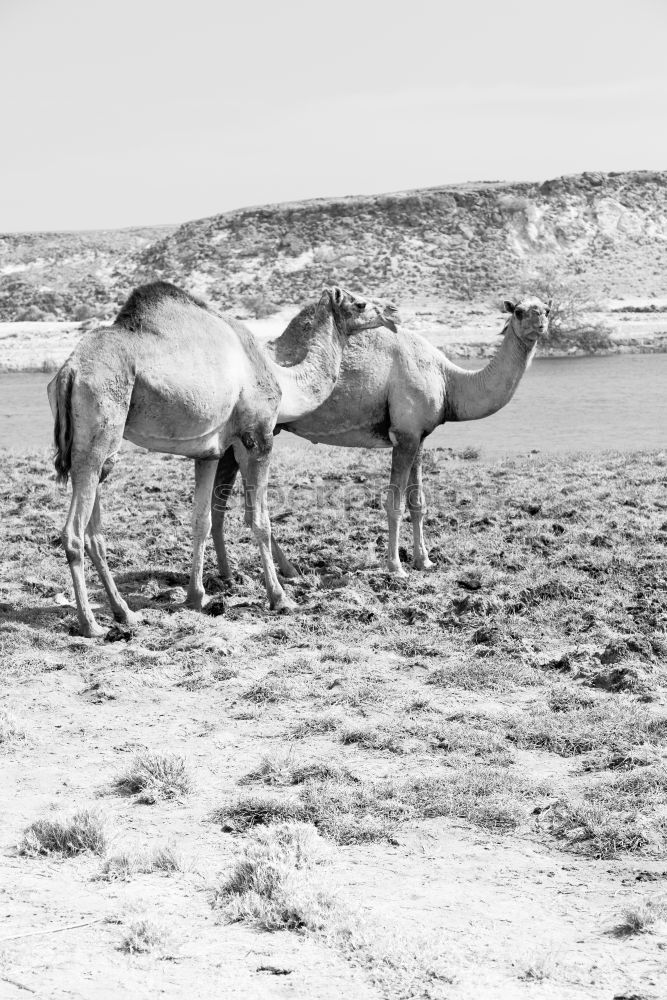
column 155, row 776
column 644, row 917
column 126, row 864
column 84, row 831
column 614, row 726
column 273, row 886
column 146, row 935
column 10, row 731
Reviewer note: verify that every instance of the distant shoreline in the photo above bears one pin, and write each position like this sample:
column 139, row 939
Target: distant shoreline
column 43, row 347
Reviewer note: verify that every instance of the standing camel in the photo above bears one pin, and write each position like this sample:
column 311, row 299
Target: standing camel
column 172, row 376
column 393, row 392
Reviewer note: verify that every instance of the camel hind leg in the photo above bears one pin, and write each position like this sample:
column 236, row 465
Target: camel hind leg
column 225, row 477
column 97, row 424
column 254, row 461
column 96, row 549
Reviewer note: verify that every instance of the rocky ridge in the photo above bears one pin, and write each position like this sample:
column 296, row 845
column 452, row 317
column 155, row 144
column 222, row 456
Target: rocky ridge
column 464, row 242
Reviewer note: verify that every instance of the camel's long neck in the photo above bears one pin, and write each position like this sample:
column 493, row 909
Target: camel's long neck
column 306, row 385
column 471, row 395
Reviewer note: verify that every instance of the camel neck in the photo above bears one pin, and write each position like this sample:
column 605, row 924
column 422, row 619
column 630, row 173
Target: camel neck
column 471, row 395
column 307, row 384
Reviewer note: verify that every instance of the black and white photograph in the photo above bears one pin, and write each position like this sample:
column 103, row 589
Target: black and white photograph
column 333, row 500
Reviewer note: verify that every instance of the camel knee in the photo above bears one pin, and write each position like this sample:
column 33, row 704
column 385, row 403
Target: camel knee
column 72, row 544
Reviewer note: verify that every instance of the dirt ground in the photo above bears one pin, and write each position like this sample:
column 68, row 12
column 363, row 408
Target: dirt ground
column 480, row 749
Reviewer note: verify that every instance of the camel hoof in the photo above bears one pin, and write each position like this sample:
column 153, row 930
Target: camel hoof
column 397, row 571
column 424, row 565
column 284, row 605
column 196, row 602
column 129, row 618
column 91, row 630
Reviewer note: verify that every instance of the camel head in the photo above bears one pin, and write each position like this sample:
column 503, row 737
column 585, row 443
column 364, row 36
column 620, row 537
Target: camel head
column 352, row 313
column 528, row 321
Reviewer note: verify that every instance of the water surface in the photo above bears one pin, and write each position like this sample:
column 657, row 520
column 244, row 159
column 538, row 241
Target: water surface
column 562, row 404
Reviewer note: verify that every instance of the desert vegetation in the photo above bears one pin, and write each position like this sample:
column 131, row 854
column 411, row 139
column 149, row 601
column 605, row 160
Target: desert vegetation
column 340, row 794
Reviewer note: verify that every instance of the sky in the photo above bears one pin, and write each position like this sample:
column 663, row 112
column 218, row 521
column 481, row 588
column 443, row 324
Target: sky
column 139, row 112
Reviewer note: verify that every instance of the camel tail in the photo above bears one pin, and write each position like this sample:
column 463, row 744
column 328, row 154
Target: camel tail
column 60, row 397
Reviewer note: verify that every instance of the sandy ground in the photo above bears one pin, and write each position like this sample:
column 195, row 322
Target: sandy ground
column 561, row 566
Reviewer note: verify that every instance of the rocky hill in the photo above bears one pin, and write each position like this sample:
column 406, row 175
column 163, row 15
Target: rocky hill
column 456, row 243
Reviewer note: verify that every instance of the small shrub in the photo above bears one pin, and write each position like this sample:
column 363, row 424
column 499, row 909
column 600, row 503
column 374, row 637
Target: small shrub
column 84, row 831
column 644, row 917
column 145, row 935
column 155, row 776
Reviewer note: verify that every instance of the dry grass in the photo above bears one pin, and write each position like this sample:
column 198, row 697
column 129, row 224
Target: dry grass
column 154, row 776
column 273, row 885
column 612, row 725
column 124, row 865
column 356, row 812
column 645, row 917
column 446, row 693
column 146, row 935
column 11, row 731
column 624, row 812
column 84, row 831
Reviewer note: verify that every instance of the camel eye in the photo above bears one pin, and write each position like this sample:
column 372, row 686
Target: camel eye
column 547, row 312
column 360, row 306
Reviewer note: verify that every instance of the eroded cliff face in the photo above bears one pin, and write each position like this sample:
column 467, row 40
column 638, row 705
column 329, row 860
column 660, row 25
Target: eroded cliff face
column 466, row 242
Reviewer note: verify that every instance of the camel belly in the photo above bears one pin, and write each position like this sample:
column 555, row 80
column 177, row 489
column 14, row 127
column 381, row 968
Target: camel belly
column 181, row 415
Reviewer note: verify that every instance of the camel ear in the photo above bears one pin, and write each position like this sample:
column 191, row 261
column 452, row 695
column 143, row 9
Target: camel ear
column 509, row 306
column 335, row 294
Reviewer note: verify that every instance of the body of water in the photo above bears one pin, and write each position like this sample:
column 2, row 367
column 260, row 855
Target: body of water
column 562, row 404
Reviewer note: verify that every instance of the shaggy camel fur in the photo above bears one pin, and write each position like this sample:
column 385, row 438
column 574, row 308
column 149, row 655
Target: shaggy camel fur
column 172, row 376
column 392, row 393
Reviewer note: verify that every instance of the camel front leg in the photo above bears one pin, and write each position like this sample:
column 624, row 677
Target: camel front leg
column 257, row 517
column 402, row 457
column 96, row 549
column 417, row 508
column 205, row 470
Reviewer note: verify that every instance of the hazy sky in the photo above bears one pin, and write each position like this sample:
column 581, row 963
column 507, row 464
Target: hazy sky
column 136, row 112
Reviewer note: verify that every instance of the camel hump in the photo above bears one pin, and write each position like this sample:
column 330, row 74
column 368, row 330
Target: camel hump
column 145, row 300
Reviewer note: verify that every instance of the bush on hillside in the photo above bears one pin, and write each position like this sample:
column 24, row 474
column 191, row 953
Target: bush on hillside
column 259, row 304
column 572, row 303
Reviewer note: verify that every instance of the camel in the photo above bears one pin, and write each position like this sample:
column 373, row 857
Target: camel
column 173, row 376
column 393, row 392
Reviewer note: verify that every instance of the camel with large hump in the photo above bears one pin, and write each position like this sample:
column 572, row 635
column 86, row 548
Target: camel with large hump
column 393, row 391
column 173, row 376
